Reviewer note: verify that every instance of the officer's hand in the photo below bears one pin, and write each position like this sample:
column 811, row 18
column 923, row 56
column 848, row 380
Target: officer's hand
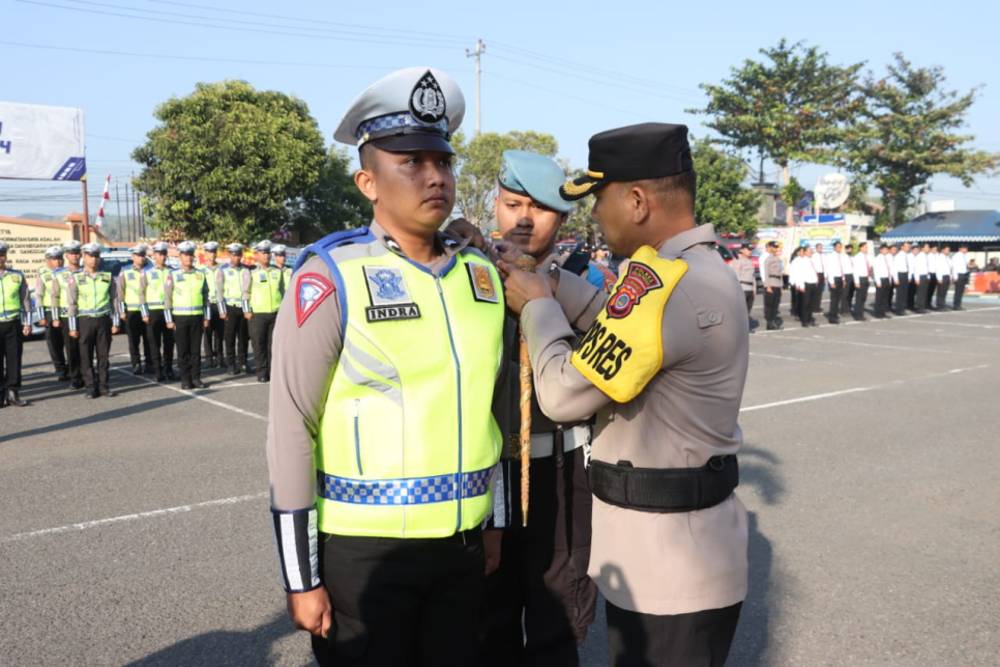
column 247, row 316
column 170, row 325
column 27, row 329
column 56, row 324
column 311, row 611
column 463, row 229
column 222, row 315
column 114, row 330
column 43, row 323
column 74, row 334
column 520, row 287
column 145, row 320
column 204, row 324
column 507, row 251
column 769, row 289
column 492, row 539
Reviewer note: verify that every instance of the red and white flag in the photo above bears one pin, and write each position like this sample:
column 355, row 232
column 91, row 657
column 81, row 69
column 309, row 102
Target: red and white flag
column 105, row 198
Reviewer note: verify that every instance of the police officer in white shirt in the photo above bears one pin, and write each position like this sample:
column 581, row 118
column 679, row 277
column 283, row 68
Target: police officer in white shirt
column 834, row 272
column 847, row 268
column 921, row 277
column 943, row 273
column 960, row 274
column 860, row 269
column 882, row 274
column 804, row 280
column 816, row 257
column 901, row 269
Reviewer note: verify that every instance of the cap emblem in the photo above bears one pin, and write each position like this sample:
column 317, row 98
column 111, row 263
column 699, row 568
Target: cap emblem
column 427, row 103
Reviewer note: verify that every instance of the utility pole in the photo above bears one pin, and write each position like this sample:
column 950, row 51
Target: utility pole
column 477, row 53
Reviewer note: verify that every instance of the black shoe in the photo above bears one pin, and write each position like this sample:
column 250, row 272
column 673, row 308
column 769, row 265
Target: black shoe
column 160, row 377
column 63, row 377
column 3, row 401
column 90, row 394
column 233, row 370
column 198, row 384
column 148, row 370
column 170, row 376
column 77, row 384
column 15, row 400
column 108, row 393
column 185, row 385
column 137, row 370
column 261, row 379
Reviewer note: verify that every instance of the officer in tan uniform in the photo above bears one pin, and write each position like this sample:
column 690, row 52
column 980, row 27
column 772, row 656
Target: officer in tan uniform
column 663, row 365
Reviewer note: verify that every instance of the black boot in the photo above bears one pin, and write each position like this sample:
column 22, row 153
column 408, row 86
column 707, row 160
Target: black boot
column 14, row 399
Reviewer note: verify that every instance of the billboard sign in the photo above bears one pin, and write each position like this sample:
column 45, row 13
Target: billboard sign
column 41, row 142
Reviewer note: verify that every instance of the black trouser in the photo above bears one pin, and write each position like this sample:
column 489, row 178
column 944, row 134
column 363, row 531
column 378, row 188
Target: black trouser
column 772, row 298
column 942, row 292
column 932, row 285
column 901, row 289
column 214, row 336
column 847, row 296
column 161, row 342
column 860, row 297
column 820, row 283
column 136, row 330
column 836, row 295
column 72, row 347
column 796, row 303
column 911, row 295
column 262, row 332
column 95, row 338
column 920, row 301
column 540, row 601
column 187, row 335
column 748, row 296
column 807, row 300
column 882, row 291
column 960, row 282
column 57, row 348
column 236, row 334
column 10, row 355
column 402, row 602
column 701, row 638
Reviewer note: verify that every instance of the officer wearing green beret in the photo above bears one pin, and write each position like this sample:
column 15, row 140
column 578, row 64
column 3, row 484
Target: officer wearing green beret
column 663, row 364
column 15, row 321
column 386, row 351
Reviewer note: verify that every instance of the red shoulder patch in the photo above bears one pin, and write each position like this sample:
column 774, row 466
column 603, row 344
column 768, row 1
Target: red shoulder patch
column 311, row 289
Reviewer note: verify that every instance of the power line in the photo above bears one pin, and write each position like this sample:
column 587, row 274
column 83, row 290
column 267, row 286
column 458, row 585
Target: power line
column 564, row 95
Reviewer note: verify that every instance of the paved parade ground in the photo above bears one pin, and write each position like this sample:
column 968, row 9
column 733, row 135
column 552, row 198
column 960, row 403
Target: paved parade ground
column 135, row 529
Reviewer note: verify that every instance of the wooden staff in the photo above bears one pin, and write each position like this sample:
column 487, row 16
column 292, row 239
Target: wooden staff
column 525, row 263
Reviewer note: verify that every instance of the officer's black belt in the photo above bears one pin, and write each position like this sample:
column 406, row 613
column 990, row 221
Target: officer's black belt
column 665, row 489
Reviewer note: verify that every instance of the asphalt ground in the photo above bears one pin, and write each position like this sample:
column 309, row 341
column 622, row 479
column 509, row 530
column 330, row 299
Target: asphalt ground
column 135, row 529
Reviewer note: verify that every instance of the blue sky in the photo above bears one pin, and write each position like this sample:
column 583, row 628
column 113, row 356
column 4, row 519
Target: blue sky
column 563, row 68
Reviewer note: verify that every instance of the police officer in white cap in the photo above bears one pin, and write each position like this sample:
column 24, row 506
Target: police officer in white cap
column 94, row 318
column 378, row 318
column 267, row 287
column 128, row 284
column 216, row 332
column 47, row 317
column 233, row 294
column 151, row 294
column 185, row 307
column 59, row 303
column 15, row 321
column 279, row 255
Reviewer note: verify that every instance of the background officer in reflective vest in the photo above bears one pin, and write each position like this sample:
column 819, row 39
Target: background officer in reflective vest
column 185, row 306
column 216, row 332
column 266, row 289
column 129, row 285
column 380, row 318
column 233, row 290
column 93, row 319
column 15, row 321
column 151, row 286
column 59, row 303
column 279, row 255
column 47, row 317
column 663, row 364
column 540, row 601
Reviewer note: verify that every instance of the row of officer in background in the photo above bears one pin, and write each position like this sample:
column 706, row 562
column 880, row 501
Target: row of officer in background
column 392, row 407
column 159, row 305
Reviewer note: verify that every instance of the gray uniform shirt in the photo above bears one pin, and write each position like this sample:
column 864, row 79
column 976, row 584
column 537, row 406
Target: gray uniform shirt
column 648, row 562
column 744, row 272
column 773, row 267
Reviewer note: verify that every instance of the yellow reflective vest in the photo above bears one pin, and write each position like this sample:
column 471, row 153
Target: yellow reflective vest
column 408, row 444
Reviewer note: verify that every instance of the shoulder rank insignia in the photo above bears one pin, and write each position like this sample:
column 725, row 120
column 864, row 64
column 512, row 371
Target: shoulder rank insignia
column 311, row 289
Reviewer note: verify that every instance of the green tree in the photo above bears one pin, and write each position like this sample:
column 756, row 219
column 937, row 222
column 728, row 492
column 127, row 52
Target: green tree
column 791, row 106
column 227, row 160
column 908, row 132
column 723, row 199
column 333, row 202
column 479, row 164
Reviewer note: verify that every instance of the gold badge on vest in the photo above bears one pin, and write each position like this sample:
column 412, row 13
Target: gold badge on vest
column 388, row 295
column 483, row 288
